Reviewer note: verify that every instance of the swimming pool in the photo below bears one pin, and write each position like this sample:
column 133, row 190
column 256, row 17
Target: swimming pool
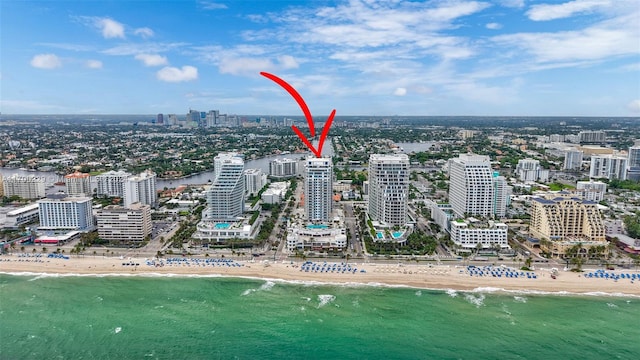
column 379, row 235
column 222, row 225
column 396, row 234
column 317, row 226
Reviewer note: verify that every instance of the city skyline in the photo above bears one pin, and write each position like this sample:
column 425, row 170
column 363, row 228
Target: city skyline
column 503, row 58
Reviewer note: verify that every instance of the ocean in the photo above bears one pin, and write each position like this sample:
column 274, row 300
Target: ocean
column 146, row 317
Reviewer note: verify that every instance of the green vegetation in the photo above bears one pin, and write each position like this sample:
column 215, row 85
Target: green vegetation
column 632, row 224
column 556, row 186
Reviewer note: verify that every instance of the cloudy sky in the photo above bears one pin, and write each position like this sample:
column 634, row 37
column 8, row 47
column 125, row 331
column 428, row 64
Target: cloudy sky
column 361, row 57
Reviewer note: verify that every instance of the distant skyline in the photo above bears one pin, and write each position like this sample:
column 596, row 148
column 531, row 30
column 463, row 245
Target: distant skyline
column 361, row 57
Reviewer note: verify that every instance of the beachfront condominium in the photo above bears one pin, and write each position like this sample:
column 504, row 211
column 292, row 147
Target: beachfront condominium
column 128, row 225
column 254, row 181
column 608, row 167
column 58, row 213
column 388, row 188
column 225, row 197
column 25, row 187
column 472, row 234
column 471, row 185
column 141, row 188
column 633, row 164
column 78, row 184
column 573, row 160
column 501, row 195
column 318, row 181
column 111, row 183
column 283, row 168
column 561, row 221
column 531, row 170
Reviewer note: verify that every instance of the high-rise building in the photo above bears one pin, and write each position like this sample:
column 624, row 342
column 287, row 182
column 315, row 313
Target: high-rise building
column 591, row 190
column 172, row 119
column 78, row 184
column 254, row 181
column 124, row 225
column 388, row 188
column 225, row 197
column 563, row 221
column 72, row 213
column 141, row 188
column 633, row 164
column 501, row 195
column 25, row 187
column 111, row 183
column 212, row 118
column 573, row 160
column 592, row 137
column 160, row 119
column 1, row 186
column 318, row 183
column 608, row 167
column 471, row 185
column 283, row 168
column 530, row 170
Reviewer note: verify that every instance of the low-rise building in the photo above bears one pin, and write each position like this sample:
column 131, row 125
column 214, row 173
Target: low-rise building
column 469, row 233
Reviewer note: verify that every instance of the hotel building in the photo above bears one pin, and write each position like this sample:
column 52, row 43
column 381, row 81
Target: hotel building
column 71, row 213
column 561, row 221
column 388, row 188
column 225, row 197
column 318, row 183
column 78, row 184
column 128, row 225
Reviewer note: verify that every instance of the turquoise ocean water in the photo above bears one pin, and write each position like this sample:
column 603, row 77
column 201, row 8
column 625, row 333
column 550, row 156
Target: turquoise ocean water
column 116, row 317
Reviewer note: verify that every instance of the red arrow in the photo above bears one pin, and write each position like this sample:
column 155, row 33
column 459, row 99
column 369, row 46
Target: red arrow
column 307, row 115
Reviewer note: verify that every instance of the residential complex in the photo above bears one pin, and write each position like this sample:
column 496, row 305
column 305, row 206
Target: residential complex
column 66, row 214
column 125, row 225
column 471, row 185
column 388, row 188
column 318, row 181
column 501, row 195
column 573, row 160
column 530, row 170
column 283, row 168
column 608, row 167
column 254, row 181
column 141, row 188
column 561, row 221
column 25, row 187
column 78, row 184
column 591, row 190
column 633, row 164
column 111, row 183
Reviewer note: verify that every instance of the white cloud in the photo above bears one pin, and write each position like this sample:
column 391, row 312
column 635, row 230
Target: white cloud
column 400, row 92
column 634, row 106
column 208, row 5
column 493, row 26
column 512, row 3
column 144, row 32
column 616, row 37
column 544, row 12
column 93, row 64
column 174, row 74
column 110, row 28
column 46, row 61
column 152, row 59
column 244, row 65
column 288, row 62
column 145, row 48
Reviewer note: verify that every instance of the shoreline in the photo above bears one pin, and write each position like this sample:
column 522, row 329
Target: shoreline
column 419, row 277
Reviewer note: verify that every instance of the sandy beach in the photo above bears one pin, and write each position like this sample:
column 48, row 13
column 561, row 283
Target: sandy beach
column 411, row 275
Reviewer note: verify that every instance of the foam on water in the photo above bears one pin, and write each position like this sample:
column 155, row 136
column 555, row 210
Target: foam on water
column 418, row 293
column 117, row 330
column 325, row 299
column 264, row 287
column 520, row 299
column 452, row 293
column 475, row 300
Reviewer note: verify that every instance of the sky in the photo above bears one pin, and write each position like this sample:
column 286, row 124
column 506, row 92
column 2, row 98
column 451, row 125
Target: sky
column 360, row 57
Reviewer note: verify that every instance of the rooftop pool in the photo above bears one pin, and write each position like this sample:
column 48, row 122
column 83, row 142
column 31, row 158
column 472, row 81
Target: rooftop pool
column 222, row 225
column 317, row 226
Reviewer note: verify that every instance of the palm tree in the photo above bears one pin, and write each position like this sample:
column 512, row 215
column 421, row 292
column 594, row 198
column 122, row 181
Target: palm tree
column 527, row 263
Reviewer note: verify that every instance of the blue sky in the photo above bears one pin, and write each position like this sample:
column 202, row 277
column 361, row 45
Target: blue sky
column 361, row 57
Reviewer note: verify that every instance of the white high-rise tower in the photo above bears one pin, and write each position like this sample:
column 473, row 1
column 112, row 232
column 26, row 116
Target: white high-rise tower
column 141, row 188
column 225, row 197
column 389, row 188
column 471, row 185
column 318, row 183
